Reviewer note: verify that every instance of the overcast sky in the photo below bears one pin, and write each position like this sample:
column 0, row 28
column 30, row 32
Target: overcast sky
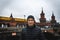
column 19, row 8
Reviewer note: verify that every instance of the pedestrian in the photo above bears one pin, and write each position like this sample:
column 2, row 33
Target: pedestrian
column 32, row 32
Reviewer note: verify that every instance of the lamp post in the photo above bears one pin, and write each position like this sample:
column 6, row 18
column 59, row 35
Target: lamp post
column 24, row 20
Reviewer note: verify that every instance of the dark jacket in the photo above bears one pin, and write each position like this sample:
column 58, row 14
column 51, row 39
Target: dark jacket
column 33, row 33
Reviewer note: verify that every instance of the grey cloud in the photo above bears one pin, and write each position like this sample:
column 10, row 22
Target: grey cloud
column 3, row 4
column 22, row 9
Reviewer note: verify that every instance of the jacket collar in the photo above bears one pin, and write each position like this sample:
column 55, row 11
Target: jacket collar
column 31, row 27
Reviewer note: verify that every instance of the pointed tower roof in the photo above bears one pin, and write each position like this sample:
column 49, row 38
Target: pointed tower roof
column 53, row 18
column 11, row 16
column 42, row 13
column 53, row 14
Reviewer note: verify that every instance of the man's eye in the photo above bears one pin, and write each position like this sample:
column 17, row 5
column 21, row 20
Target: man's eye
column 30, row 20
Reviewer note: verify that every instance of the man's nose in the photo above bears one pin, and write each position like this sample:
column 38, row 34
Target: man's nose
column 30, row 21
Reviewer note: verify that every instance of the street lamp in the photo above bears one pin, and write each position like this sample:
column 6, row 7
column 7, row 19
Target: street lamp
column 24, row 20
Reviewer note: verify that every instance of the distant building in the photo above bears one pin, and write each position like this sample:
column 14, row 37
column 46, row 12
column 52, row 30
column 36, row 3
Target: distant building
column 43, row 22
column 11, row 22
column 42, row 19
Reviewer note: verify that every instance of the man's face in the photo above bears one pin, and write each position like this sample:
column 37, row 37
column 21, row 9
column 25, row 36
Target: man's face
column 30, row 22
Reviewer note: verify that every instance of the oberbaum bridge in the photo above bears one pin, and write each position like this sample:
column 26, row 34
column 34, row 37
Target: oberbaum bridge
column 13, row 26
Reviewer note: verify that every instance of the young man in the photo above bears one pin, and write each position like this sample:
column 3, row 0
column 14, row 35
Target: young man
column 31, row 32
